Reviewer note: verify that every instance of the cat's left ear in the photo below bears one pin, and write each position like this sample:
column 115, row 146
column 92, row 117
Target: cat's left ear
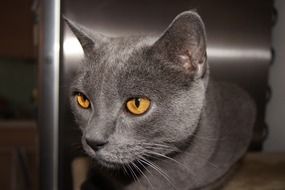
column 89, row 41
column 183, row 44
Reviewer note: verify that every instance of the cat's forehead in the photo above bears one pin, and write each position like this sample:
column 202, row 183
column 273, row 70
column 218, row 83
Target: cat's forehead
column 124, row 65
column 113, row 60
column 119, row 50
column 118, row 57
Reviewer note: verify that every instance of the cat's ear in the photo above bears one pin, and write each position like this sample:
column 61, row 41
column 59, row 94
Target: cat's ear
column 184, row 44
column 89, row 41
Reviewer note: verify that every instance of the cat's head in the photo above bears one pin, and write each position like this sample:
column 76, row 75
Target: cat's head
column 136, row 97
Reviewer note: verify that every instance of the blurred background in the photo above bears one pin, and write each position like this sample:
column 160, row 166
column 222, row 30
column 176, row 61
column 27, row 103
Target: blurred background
column 39, row 54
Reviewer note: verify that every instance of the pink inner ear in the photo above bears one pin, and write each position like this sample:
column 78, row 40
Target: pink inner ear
column 186, row 62
column 192, row 66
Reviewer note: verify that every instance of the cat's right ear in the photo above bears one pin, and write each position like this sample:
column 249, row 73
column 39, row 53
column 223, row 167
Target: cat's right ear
column 89, row 42
column 183, row 44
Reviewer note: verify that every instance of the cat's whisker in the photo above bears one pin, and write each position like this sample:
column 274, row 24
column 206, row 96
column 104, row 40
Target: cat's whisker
column 158, row 169
column 139, row 170
column 157, row 148
column 125, row 170
column 134, row 176
column 134, row 172
column 167, row 157
column 139, row 161
column 155, row 155
column 161, row 147
column 158, row 145
column 201, row 156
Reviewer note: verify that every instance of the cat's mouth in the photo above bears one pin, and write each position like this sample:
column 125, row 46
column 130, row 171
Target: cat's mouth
column 108, row 161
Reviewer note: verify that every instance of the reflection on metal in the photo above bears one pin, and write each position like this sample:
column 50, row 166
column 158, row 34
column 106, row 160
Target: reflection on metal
column 235, row 53
column 49, row 58
column 71, row 47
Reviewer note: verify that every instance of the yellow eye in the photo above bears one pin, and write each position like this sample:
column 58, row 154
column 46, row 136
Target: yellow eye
column 82, row 101
column 138, row 106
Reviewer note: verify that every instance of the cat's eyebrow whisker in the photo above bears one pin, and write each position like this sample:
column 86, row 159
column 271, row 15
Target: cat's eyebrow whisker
column 138, row 169
column 158, row 169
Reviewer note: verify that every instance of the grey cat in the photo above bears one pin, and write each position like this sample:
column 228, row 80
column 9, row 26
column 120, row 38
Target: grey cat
column 151, row 118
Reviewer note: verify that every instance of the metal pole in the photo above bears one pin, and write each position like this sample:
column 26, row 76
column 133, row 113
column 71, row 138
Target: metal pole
column 49, row 58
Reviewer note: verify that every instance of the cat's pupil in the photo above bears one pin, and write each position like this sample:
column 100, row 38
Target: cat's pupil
column 137, row 102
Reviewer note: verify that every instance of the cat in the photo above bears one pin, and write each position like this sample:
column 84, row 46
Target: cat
column 150, row 115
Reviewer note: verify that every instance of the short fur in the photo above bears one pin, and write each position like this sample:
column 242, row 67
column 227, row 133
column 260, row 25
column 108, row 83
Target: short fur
column 196, row 129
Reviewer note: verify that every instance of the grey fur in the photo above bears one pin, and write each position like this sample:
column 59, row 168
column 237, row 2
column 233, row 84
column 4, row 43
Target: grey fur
column 196, row 129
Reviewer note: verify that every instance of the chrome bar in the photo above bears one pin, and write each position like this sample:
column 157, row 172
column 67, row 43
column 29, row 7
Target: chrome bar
column 49, row 58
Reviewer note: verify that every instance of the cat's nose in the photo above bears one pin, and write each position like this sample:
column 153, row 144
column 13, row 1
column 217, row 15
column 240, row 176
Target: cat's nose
column 96, row 144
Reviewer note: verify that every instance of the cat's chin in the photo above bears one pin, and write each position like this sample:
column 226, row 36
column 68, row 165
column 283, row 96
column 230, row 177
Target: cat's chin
column 102, row 162
column 110, row 165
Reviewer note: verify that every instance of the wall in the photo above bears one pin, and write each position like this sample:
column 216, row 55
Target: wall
column 17, row 81
column 275, row 116
column 16, row 34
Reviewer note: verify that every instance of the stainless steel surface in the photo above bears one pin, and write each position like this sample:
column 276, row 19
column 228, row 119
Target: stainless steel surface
column 238, row 47
column 49, row 55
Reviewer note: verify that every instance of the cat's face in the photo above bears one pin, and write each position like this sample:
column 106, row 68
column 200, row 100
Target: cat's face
column 140, row 97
